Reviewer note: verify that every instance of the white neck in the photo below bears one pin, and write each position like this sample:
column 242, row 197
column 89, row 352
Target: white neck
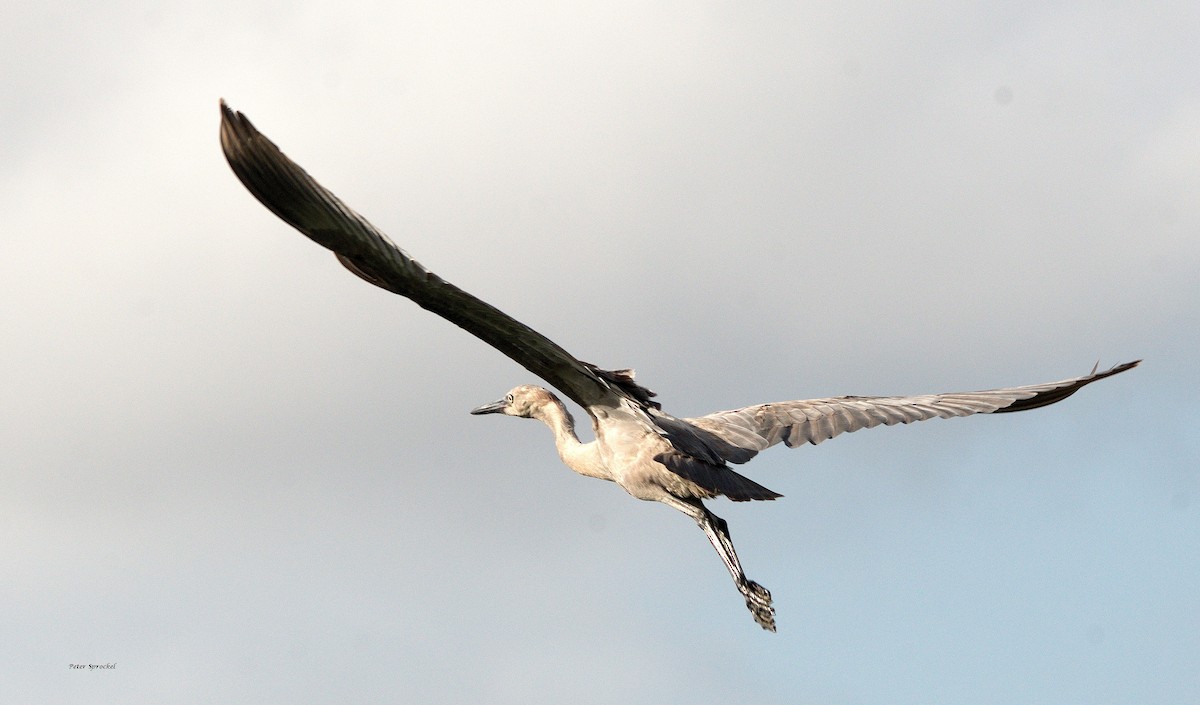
column 583, row 458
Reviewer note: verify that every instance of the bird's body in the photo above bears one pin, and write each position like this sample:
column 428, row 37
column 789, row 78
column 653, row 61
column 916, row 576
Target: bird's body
column 624, row 449
column 651, row 454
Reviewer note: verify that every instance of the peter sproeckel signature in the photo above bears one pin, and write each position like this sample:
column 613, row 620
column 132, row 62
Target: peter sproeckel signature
column 93, row 666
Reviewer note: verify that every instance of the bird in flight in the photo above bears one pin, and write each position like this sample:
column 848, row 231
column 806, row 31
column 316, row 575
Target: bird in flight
column 652, row 455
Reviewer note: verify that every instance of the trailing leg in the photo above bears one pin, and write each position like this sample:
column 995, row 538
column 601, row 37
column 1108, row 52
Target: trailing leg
column 758, row 598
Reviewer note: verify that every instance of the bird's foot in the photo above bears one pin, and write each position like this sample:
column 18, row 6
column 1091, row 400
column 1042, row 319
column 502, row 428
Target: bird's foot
column 758, row 601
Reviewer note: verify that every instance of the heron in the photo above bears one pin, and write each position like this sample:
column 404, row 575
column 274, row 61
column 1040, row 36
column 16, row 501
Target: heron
column 651, row 454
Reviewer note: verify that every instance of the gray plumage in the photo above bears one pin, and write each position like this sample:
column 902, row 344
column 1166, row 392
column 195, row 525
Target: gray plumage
column 651, row 454
column 755, row 428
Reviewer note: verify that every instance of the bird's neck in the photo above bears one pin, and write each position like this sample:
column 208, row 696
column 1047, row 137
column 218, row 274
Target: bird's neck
column 583, row 458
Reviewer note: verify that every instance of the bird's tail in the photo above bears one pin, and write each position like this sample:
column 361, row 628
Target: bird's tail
column 717, row 479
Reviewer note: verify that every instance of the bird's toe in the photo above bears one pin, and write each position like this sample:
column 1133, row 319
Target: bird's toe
column 758, row 601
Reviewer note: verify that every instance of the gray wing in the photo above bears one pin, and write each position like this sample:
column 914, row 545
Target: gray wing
column 290, row 193
column 744, row 432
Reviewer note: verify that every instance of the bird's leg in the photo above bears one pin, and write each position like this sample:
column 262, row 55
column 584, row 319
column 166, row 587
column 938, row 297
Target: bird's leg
column 758, row 599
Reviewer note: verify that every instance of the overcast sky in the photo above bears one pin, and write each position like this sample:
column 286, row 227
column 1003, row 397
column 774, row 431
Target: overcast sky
column 242, row 475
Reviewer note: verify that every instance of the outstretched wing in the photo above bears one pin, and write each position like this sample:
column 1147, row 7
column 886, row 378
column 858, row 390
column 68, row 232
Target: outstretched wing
column 290, row 193
column 755, row 428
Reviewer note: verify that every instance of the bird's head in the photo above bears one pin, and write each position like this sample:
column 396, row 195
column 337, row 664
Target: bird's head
column 524, row 401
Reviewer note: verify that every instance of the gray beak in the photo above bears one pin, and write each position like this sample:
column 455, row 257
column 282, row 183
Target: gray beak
column 492, row 408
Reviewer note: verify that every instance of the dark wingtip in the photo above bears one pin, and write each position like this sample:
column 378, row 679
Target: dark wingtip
column 1054, row 396
column 227, row 113
column 277, row 182
column 1115, row 369
column 237, row 132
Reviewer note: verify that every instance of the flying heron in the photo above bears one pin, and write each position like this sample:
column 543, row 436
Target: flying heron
column 651, row 454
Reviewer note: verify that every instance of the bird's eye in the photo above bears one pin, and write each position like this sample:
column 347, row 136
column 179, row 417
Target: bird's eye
column 509, row 398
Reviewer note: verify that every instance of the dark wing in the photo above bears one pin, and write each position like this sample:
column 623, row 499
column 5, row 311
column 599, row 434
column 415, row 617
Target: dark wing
column 746, row 431
column 290, row 193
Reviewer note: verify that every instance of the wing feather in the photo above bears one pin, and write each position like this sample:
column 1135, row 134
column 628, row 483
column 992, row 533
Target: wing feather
column 756, row 428
column 290, row 193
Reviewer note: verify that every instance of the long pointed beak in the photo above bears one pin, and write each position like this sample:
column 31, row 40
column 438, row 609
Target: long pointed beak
column 492, row 408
